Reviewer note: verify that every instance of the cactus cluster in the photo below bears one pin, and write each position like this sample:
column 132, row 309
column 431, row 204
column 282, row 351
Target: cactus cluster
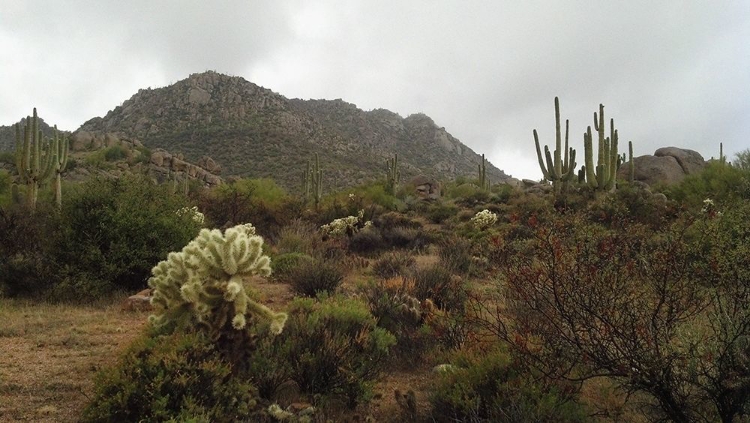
column 204, row 285
column 392, row 175
column 37, row 160
column 604, row 175
column 559, row 170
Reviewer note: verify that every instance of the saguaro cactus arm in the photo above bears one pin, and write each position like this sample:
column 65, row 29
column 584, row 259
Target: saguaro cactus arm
column 560, row 168
column 35, row 159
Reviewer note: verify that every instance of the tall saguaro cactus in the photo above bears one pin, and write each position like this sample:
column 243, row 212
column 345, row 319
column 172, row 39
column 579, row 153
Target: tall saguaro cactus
column 602, row 176
column 484, row 180
column 60, row 147
column 560, row 169
column 35, row 159
column 393, row 175
column 314, row 180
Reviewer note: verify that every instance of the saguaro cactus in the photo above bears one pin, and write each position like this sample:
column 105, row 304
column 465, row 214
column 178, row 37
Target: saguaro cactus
column 204, row 285
column 484, row 180
column 314, row 180
column 35, row 159
column 559, row 170
column 392, row 174
column 602, row 176
column 60, row 161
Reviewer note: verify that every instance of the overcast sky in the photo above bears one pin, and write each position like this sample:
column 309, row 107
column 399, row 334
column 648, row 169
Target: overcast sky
column 671, row 73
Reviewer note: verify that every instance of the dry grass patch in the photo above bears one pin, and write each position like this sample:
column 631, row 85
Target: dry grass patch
column 50, row 352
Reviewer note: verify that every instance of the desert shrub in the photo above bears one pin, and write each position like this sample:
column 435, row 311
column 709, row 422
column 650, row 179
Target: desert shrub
column 455, row 254
column 393, row 219
column 368, row 240
column 284, row 264
column 441, row 211
column 494, row 388
column 332, row 349
column 719, row 182
column 171, row 378
column 298, row 236
column 26, row 242
column 8, row 157
column 468, row 195
column 113, row 233
column 660, row 312
column 399, row 236
column 393, row 264
column 311, row 277
column 396, row 309
column 438, row 284
column 114, row 153
column 633, row 204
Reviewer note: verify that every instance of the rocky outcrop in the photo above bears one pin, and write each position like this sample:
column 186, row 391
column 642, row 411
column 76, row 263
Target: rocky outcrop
column 426, row 188
column 163, row 162
column 668, row 165
column 95, row 140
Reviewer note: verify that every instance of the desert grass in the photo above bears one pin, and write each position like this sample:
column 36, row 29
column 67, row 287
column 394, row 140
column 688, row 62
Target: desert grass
column 49, row 354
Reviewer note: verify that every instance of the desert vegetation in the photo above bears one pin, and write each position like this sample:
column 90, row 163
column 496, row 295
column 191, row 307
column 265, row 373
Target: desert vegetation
column 597, row 300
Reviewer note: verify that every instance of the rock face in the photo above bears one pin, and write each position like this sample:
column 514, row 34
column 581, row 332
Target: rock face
column 426, row 188
column 668, row 165
column 255, row 132
column 95, row 140
column 164, row 163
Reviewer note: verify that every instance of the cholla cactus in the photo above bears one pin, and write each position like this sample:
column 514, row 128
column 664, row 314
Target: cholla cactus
column 203, row 286
column 346, row 225
column 484, row 219
column 196, row 215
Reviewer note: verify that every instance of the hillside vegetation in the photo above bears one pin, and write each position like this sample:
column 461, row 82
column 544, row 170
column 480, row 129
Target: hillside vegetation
column 615, row 306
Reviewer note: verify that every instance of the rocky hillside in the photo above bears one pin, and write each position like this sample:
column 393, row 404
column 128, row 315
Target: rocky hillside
column 252, row 131
column 8, row 134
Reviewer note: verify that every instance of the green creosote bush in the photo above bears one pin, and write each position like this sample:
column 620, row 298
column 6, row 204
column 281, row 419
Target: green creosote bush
column 284, row 264
column 114, row 153
column 494, row 388
column 439, row 212
column 112, row 233
column 393, row 263
column 724, row 184
column 298, row 236
column 311, row 277
column 180, row 377
column 332, row 348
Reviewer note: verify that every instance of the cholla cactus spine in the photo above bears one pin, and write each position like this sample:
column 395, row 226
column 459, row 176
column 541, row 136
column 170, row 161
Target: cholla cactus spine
column 192, row 286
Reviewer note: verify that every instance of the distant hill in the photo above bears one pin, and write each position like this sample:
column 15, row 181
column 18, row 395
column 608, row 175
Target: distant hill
column 252, row 131
column 8, row 134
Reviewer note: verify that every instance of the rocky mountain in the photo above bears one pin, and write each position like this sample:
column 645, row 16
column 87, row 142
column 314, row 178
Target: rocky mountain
column 8, row 134
column 252, row 131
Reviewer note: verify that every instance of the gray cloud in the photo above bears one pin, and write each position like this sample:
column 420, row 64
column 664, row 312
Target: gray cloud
column 670, row 73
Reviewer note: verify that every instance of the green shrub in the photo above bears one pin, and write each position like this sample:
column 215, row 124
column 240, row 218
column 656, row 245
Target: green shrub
column 396, row 308
column 311, row 277
column 332, row 349
column 439, row 285
column 440, row 212
column 494, row 389
column 176, row 378
column 26, row 243
column 114, row 153
column 115, row 231
column 455, row 254
column 399, row 236
column 298, row 236
column 392, row 264
column 284, row 264
column 719, row 182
